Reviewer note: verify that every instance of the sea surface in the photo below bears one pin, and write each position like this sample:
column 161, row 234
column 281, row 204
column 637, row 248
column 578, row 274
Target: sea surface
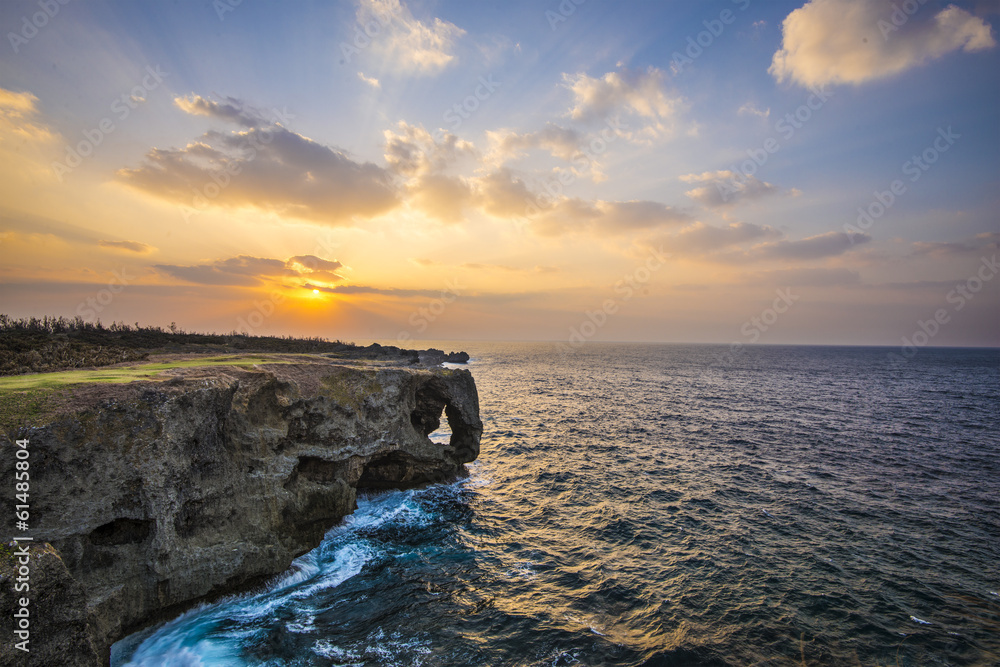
column 662, row 505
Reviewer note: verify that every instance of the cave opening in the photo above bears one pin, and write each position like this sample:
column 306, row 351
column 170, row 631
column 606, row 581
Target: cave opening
column 427, row 415
column 393, row 470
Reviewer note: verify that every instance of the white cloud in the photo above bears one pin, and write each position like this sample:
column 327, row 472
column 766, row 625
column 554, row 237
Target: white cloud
column 560, row 142
column 641, row 95
column 231, row 110
column 751, row 109
column 413, row 151
column 563, row 143
column 854, row 41
column 371, row 81
column 406, row 43
column 570, row 215
column 726, row 188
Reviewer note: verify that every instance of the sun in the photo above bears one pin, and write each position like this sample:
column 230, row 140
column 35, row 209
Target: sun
column 316, row 292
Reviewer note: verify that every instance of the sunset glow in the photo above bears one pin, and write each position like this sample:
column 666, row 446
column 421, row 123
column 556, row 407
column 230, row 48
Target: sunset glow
column 469, row 172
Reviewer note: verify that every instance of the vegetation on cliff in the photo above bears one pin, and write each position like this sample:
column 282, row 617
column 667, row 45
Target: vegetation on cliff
column 37, row 345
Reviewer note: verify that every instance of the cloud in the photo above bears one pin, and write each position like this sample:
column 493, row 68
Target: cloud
column 312, row 263
column 855, row 41
column 16, row 118
column 809, row 277
column 726, row 188
column 408, row 44
column 246, row 270
column 413, row 152
column 744, row 242
column 28, row 224
column 642, row 95
column 623, row 216
column 27, row 145
column 269, row 168
column 604, row 218
column 985, row 242
column 231, row 110
column 502, row 194
column 366, row 289
column 410, row 150
column 700, row 239
column 441, row 197
column 371, row 81
column 820, row 246
column 751, row 109
column 477, row 266
column 562, row 143
column 129, row 246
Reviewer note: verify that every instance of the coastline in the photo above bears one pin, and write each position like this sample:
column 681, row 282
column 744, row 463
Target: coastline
column 153, row 496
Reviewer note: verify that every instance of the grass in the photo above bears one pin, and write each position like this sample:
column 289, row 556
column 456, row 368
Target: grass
column 37, row 384
column 26, row 408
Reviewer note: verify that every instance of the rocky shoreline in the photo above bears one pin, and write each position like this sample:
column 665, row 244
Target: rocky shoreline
column 152, row 496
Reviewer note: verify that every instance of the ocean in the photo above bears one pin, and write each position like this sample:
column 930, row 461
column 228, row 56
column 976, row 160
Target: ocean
column 662, row 505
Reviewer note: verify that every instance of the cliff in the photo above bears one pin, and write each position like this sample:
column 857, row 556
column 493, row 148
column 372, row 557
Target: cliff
column 151, row 496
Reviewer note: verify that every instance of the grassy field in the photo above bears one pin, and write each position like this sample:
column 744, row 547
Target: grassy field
column 26, row 400
column 48, row 381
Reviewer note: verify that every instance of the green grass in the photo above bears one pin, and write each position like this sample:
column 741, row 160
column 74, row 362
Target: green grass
column 25, row 408
column 49, row 381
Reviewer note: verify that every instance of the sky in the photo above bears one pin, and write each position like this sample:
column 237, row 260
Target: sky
column 735, row 172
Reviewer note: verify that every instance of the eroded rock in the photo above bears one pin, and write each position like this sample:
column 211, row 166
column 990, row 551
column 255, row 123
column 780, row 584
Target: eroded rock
column 162, row 494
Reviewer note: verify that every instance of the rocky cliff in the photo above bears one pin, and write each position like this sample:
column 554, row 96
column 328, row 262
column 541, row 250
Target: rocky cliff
column 151, row 496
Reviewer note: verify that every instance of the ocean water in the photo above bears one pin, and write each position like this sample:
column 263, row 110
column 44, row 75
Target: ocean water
column 662, row 505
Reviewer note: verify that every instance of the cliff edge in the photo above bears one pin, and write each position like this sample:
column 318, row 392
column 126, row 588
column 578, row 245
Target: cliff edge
column 151, row 496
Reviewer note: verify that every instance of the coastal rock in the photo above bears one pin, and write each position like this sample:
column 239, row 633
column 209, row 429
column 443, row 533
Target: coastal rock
column 157, row 495
column 58, row 633
column 433, row 357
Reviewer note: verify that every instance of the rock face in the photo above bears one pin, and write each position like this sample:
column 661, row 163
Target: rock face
column 162, row 494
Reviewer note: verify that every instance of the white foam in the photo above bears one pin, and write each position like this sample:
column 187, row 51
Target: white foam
column 347, row 563
column 920, row 621
column 327, row 649
column 195, row 639
column 308, row 624
column 203, row 654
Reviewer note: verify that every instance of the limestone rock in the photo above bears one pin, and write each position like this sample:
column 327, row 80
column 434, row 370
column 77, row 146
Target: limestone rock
column 158, row 495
